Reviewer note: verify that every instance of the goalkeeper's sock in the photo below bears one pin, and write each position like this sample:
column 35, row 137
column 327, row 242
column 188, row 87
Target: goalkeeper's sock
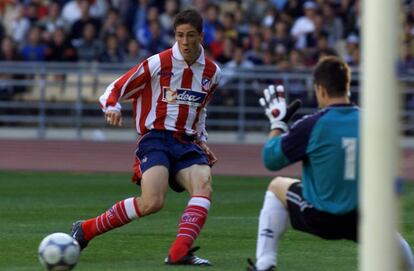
column 406, row 253
column 120, row 214
column 273, row 222
column 190, row 225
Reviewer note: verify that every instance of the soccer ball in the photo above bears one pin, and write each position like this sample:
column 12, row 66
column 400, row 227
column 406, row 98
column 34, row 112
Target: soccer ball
column 59, row 252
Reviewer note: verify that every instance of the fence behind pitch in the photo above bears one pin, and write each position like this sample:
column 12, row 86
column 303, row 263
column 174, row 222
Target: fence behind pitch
column 52, row 97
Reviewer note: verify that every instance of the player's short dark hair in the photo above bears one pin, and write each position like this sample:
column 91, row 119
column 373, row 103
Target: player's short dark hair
column 334, row 75
column 191, row 17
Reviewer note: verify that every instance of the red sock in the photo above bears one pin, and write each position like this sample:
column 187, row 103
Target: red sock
column 120, row 214
column 191, row 223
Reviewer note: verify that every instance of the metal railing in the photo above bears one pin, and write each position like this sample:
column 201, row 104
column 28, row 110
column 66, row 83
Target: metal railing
column 64, row 95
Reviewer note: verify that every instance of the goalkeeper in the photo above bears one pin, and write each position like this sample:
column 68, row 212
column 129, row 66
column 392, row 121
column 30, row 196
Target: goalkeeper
column 325, row 202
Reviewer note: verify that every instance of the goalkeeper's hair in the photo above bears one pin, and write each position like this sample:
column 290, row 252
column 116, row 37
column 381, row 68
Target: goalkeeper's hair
column 191, row 17
column 334, row 75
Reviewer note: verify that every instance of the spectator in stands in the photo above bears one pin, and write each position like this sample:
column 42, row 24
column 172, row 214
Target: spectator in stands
column 268, row 57
column 143, row 34
column 110, row 23
column 246, row 40
column 211, row 22
column 336, row 18
column 317, row 43
column 228, row 49
column 9, row 52
column 305, row 24
column 333, row 25
column 79, row 24
column 239, row 60
column 139, row 17
column 126, row 9
column 217, row 45
column 59, row 48
column 34, row 49
column 257, row 10
column 112, row 52
column 296, row 59
column 270, row 17
column 240, row 21
column 171, row 8
column 157, row 41
column 123, row 36
column 322, row 50
column 99, row 9
column 311, row 38
column 255, row 53
column 61, row 3
column 72, row 11
column 282, row 41
column 23, row 22
column 350, row 14
column 42, row 9
column 32, row 12
column 352, row 50
column 279, row 4
column 267, row 38
column 292, row 10
column 12, row 9
column 89, row 47
column 53, row 19
column 229, row 26
column 134, row 52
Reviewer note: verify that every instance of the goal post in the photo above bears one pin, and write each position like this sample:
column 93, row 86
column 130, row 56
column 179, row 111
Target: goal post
column 379, row 136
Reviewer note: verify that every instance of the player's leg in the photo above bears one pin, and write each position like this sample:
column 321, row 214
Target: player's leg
column 154, row 185
column 196, row 179
column 273, row 221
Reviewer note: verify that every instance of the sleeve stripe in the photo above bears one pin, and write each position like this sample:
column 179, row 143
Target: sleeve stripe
column 120, row 86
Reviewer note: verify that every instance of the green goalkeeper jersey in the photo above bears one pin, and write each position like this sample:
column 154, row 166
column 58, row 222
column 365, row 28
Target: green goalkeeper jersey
column 327, row 143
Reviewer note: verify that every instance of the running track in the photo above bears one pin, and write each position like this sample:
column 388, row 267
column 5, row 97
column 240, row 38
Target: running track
column 90, row 156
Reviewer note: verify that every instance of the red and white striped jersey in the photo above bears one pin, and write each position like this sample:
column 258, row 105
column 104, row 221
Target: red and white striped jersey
column 167, row 94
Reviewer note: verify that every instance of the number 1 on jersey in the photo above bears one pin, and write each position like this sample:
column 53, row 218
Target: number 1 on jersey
column 349, row 146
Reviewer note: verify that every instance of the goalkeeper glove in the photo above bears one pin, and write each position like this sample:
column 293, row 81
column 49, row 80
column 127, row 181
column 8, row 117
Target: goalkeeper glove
column 274, row 104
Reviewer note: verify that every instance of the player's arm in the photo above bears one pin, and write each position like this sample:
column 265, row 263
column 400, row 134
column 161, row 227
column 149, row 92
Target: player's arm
column 279, row 114
column 202, row 137
column 202, row 134
column 125, row 87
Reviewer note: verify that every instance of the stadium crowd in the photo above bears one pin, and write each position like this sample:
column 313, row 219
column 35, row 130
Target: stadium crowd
column 286, row 33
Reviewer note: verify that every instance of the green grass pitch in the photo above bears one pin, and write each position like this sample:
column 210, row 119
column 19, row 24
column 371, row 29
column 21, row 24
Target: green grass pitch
column 33, row 205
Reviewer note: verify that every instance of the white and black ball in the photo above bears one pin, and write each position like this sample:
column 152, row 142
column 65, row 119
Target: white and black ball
column 59, row 252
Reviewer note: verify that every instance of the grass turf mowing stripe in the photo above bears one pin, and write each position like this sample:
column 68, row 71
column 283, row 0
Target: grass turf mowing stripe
column 33, row 205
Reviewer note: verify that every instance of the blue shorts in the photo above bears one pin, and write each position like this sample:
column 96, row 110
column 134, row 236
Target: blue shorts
column 168, row 149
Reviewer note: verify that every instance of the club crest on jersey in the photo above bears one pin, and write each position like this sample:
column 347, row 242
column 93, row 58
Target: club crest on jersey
column 205, row 83
column 183, row 96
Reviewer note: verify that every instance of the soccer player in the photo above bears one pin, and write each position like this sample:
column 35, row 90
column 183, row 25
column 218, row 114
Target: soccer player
column 169, row 91
column 325, row 202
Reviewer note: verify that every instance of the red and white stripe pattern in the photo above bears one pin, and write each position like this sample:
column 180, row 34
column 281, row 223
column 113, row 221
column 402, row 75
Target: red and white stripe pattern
column 146, row 83
column 191, row 223
column 193, row 217
column 120, row 214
